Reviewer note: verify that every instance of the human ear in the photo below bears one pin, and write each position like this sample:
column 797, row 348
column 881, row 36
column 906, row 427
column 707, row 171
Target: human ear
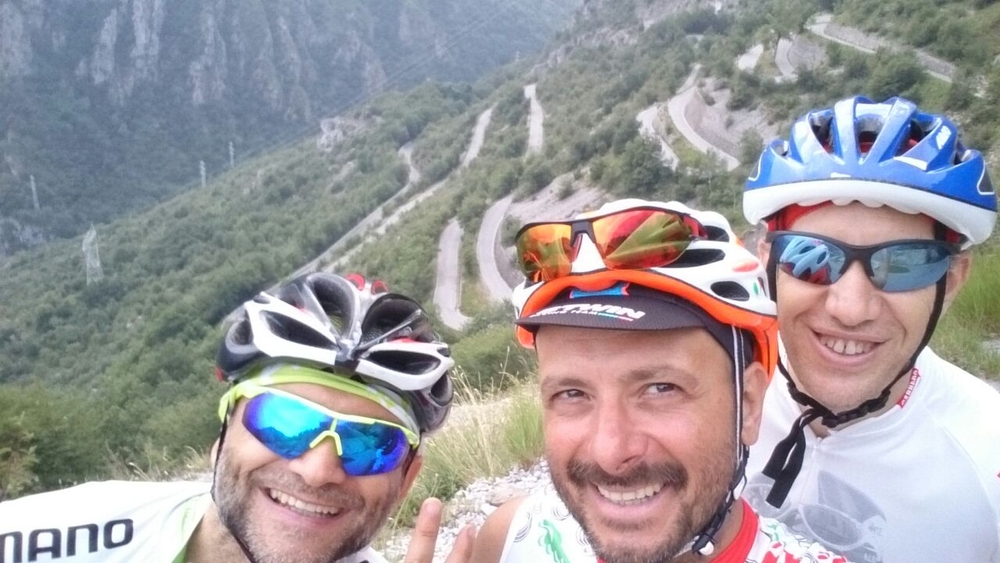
column 763, row 249
column 412, row 470
column 755, row 380
column 958, row 274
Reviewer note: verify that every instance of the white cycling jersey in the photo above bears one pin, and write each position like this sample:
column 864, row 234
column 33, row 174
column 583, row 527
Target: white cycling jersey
column 919, row 482
column 110, row 522
column 542, row 531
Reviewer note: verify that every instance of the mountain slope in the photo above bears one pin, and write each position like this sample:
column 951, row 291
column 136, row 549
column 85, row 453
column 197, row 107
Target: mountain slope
column 112, row 105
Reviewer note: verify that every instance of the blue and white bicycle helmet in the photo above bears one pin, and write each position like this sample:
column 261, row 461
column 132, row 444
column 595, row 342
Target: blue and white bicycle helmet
column 889, row 153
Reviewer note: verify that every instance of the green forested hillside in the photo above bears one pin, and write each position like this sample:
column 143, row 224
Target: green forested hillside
column 112, row 106
column 137, row 347
column 131, row 356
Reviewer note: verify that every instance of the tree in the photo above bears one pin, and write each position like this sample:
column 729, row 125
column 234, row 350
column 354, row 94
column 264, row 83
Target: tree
column 17, row 457
column 894, row 74
column 750, row 146
column 641, row 169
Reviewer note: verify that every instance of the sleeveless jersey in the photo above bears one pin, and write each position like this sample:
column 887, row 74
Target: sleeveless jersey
column 110, row 522
column 542, row 531
column 919, row 482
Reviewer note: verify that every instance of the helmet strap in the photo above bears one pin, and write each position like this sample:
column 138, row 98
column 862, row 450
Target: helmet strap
column 704, row 542
column 788, row 455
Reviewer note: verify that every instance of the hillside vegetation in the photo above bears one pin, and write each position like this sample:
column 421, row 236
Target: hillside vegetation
column 123, row 367
column 112, row 106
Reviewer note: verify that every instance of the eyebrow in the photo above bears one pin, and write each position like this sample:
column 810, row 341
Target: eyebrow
column 635, row 376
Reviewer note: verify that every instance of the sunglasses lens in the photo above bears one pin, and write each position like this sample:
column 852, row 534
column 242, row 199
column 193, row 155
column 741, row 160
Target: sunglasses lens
column 643, row 238
column 808, row 259
column 371, row 449
column 909, row 266
column 544, row 251
column 286, row 426
column 895, row 267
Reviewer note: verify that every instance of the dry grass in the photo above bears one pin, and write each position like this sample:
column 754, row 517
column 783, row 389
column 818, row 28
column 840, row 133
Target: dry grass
column 485, row 437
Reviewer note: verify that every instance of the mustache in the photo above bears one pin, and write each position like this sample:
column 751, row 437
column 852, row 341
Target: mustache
column 292, row 484
column 581, row 473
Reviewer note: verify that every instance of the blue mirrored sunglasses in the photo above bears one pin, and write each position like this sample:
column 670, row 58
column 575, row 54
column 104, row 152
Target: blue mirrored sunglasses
column 898, row 265
column 290, row 426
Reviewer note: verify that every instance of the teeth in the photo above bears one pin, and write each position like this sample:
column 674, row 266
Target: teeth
column 846, row 347
column 634, row 496
column 301, row 506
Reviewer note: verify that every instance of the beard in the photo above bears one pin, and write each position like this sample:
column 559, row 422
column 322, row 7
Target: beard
column 689, row 517
column 232, row 496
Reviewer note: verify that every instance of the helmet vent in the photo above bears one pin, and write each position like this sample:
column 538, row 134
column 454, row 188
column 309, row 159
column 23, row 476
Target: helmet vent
column 730, row 290
column 698, row 257
column 717, row 233
column 405, row 362
column 296, row 332
column 241, row 333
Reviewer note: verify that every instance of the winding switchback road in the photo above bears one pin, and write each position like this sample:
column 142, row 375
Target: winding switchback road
column 478, row 136
column 486, row 244
column 536, row 118
column 938, row 68
column 447, row 287
column 406, row 152
column 647, row 119
column 781, row 60
column 676, row 105
column 475, row 144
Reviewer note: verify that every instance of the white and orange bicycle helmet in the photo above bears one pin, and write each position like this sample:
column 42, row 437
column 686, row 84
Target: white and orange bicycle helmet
column 707, row 272
column 714, row 272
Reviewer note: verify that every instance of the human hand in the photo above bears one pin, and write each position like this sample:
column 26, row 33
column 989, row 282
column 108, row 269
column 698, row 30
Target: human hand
column 425, row 533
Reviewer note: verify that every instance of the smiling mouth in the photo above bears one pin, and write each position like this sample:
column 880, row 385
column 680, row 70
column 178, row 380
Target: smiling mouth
column 300, row 506
column 846, row 347
column 632, row 496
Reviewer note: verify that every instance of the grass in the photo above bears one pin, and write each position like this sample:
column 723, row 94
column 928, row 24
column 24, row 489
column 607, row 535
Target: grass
column 474, row 299
column 974, row 317
column 932, row 92
column 156, row 464
column 688, row 154
column 485, row 437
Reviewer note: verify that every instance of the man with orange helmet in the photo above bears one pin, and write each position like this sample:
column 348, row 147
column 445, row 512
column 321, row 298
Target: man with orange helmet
column 655, row 337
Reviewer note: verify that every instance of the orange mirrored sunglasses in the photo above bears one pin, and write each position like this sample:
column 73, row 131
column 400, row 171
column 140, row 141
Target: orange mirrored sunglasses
column 636, row 239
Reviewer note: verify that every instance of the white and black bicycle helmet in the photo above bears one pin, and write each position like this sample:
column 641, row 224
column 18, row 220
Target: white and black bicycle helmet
column 350, row 327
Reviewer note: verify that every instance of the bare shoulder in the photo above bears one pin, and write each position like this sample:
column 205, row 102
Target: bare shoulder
column 493, row 534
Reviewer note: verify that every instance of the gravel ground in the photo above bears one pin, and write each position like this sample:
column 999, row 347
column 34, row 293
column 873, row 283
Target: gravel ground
column 472, row 505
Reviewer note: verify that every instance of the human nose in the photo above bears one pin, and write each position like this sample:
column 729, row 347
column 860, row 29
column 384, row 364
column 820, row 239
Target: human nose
column 617, row 442
column 853, row 299
column 320, row 465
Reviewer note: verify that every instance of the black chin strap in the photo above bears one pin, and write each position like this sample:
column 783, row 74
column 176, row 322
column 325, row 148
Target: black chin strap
column 788, row 455
column 704, row 542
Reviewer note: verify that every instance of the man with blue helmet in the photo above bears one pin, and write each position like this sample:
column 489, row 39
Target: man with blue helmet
column 872, row 444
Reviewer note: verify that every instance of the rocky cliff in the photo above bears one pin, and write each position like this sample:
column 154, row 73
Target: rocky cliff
column 112, row 103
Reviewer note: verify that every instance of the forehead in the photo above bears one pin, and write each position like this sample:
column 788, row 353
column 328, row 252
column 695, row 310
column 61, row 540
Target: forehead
column 596, row 356
column 859, row 224
column 339, row 401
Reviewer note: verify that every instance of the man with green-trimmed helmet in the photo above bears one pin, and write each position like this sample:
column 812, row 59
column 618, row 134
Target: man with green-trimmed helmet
column 335, row 381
